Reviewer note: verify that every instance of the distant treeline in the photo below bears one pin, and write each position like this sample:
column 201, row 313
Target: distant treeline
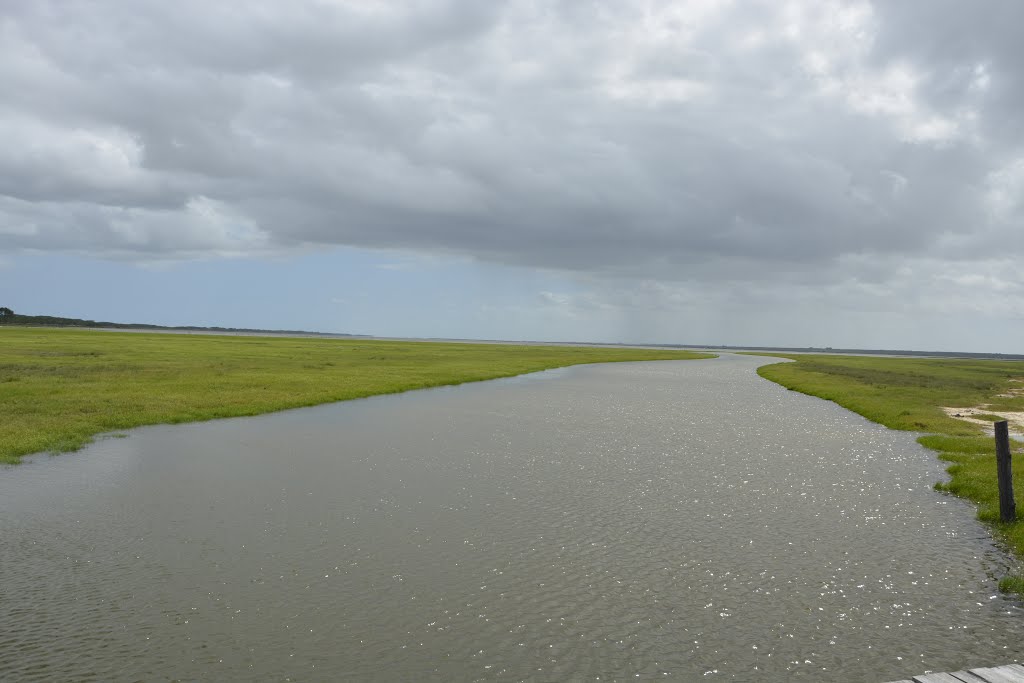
column 9, row 317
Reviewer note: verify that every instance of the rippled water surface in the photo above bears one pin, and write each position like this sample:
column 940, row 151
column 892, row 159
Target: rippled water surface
column 683, row 520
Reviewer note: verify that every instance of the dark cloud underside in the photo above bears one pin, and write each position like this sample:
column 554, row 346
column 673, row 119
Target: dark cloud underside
column 816, row 142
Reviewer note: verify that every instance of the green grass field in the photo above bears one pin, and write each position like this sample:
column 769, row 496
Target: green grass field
column 908, row 394
column 60, row 388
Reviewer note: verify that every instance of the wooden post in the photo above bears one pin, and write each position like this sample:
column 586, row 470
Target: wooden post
column 1004, row 472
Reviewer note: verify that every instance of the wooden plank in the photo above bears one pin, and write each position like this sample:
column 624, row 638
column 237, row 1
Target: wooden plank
column 943, row 677
column 967, row 677
column 1002, row 674
column 1011, row 673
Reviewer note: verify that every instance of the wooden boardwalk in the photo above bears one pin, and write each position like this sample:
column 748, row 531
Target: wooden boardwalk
column 1012, row 673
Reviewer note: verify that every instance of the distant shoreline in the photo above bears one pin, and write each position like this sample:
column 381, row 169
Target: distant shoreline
column 224, row 331
column 538, row 342
column 76, row 323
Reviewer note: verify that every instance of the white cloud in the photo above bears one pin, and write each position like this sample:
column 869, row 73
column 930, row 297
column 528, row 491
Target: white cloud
column 1005, row 191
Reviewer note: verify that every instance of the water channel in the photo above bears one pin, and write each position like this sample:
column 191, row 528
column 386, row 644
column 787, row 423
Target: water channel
column 637, row 521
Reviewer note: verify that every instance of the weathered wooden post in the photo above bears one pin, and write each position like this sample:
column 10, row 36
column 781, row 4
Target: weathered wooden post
column 1007, row 505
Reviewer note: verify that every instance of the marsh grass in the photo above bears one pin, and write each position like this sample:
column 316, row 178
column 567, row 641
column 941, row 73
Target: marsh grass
column 60, row 388
column 908, row 394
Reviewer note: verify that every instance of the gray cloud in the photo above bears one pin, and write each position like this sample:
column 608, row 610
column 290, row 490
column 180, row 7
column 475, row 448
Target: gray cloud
column 802, row 144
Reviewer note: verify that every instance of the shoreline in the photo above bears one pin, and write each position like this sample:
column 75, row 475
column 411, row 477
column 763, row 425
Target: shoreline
column 62, row 387
column 914, row 394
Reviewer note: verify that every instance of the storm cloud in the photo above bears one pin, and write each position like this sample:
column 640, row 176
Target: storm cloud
column 857, row 151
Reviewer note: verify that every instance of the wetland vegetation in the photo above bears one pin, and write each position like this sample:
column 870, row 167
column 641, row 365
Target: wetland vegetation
column 59, row 388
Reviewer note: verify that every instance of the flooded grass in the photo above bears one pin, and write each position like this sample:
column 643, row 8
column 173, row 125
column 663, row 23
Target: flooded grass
column 60, row 388
column 909, row 394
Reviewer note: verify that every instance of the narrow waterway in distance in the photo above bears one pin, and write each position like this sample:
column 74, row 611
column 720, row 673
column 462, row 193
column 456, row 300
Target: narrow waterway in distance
column 674, row 520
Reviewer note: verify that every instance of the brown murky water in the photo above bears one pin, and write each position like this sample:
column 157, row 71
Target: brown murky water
column 684, row 521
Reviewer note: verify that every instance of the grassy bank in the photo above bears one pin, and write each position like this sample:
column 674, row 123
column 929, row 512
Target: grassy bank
column 59, row 388
column 909, row 394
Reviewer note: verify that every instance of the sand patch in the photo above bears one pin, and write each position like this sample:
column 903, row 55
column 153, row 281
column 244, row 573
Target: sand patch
column 1015, row 420
column 1013, row 392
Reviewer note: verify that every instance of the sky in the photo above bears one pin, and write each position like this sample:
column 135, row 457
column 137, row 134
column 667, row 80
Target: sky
column 779, row 173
